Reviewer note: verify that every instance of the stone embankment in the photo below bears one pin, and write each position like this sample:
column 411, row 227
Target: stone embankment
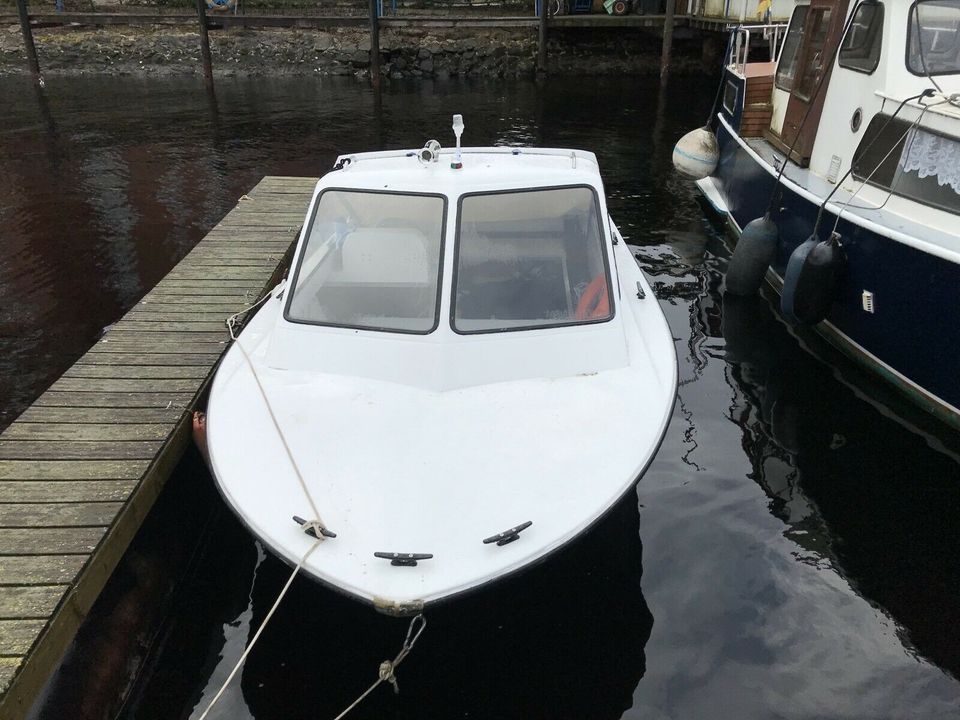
column 405, row 52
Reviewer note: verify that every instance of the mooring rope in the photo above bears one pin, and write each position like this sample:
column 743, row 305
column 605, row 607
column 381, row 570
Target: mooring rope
column 388, row 667
column 260, row 629
column 386, row 672
column 231, row 326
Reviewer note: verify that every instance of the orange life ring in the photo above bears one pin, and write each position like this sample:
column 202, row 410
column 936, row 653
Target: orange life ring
column 595, row 301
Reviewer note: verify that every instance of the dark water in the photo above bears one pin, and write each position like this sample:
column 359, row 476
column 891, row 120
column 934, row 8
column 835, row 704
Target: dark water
column 796, row 550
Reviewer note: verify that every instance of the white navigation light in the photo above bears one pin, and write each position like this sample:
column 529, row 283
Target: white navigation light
column 458, row 131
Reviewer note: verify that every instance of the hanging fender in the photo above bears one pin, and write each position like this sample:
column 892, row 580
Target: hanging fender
column 810, row 282
column 755, row 250
column 696, row 154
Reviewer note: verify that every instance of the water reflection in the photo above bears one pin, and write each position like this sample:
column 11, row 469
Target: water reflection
column 800, row 547
column 856, row 488
column 831, row 595
column 563, row 640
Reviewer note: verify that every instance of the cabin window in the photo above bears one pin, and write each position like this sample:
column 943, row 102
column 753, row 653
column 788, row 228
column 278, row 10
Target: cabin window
column 790, row 53
column 530, row 259
column 860, row 50
column 730, row 98
column 910, row 162
column 933, row 43
column 372, row 261
column 813, row 60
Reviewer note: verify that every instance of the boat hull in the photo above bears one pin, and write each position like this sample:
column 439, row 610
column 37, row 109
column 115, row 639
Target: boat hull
column 912, row 338
column 406, row 468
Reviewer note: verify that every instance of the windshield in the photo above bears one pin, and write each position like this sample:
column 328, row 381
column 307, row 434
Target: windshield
column 371, row 260
column 933, row 47
column 530, row 259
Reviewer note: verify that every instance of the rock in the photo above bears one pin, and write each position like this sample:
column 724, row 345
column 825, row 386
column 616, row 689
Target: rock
column 427, row 65
column 423, row 54
column 322, row 41
column 360, row 59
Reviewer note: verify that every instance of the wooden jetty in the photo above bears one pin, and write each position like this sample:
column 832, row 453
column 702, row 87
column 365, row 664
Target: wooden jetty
column 80, row 468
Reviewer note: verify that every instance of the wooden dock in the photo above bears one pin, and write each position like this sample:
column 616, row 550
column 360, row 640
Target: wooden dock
column 80, row 468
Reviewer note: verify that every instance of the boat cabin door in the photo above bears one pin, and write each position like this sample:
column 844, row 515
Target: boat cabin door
column 811, row 41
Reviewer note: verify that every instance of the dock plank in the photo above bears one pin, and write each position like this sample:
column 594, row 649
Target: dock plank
column 222, row 259
column 17, row 636
column 220, row 272
column 194, row 291
column 177, row 352
column 143, row 385
column 8, row 666
column 57, row 491
column 46, row 515
column 156, row 372
column 81, row 467
column 50, row 540
column 176, row 303
column 115, row 416
column 29, row 601
column 188, row 324
column 40, row 569
column 68, row 432
column 72, row 469
column 206, row 321
column 109, row 355
column 114, row 400
column 17, row 449
column 123, row 334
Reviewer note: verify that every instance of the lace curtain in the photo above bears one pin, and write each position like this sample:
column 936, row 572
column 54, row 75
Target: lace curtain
column 933, row 156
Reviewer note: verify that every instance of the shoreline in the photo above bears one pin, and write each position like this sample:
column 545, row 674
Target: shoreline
column 405, row 52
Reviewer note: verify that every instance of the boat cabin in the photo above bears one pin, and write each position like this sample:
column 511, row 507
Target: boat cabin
column 430, row 264
column 889, row 53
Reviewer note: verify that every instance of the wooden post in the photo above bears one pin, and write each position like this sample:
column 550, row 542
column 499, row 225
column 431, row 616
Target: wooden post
column 205, row 44
column 667, row 40
column 374, row 45
column 542, row 38
column 28, row 43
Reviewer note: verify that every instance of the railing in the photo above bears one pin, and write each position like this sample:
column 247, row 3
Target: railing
column 739, row 52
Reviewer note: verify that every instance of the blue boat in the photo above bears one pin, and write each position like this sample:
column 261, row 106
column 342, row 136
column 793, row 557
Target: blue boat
column 848, row 143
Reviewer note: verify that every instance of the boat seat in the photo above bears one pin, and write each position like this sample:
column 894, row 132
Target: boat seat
column 385, row 256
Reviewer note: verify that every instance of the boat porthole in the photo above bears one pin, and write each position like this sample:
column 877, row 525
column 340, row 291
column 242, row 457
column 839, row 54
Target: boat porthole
column 856, row 119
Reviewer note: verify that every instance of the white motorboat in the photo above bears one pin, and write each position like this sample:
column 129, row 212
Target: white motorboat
column 465, row 370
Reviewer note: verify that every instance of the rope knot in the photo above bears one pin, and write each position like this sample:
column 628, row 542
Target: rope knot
column 314, row 528
column 386, row 674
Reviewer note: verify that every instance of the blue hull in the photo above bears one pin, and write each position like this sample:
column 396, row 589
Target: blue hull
column 913, row 337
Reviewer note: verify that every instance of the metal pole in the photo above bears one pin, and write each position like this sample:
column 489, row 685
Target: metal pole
column 542, row 38
column 205, row 44
column 28, row 43
column 667, row 41
column 374, row 45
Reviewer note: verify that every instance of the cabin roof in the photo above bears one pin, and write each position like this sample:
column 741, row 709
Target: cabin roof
column 484, row 169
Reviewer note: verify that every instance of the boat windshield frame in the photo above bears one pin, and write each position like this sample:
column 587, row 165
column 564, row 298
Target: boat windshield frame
column 604, row 253
column 308, row 228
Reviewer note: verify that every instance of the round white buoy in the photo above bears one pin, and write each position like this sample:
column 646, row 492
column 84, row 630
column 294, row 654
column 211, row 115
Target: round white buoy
column 696, row 154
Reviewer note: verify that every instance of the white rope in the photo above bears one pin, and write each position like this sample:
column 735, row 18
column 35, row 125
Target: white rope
column 387, row 670
column 231, row 324
column 316, row 525
column 260, row 629
column 388, row 667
